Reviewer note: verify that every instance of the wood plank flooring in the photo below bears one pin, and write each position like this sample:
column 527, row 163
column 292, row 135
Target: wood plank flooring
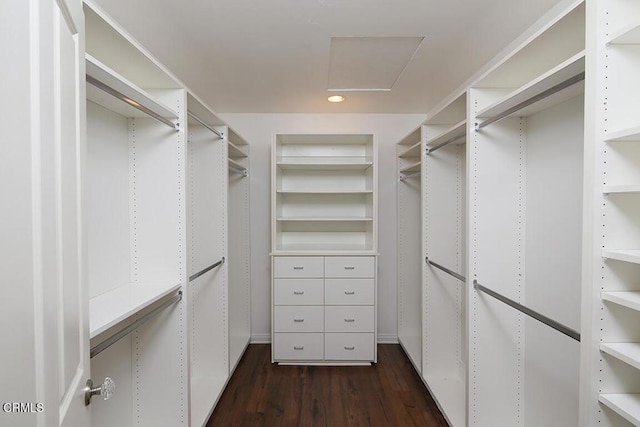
column 389, row 393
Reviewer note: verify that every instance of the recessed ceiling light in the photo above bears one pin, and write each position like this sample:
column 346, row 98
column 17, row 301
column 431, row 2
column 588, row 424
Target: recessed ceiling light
column 335, row 98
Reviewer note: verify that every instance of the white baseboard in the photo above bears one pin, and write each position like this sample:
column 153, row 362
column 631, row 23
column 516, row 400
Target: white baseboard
column 387, row 339
column 261, row 339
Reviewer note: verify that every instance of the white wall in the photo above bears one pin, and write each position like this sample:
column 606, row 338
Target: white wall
column 258, row 130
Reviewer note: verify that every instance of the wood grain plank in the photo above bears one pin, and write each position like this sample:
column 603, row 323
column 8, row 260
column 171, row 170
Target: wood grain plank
column 389, row 393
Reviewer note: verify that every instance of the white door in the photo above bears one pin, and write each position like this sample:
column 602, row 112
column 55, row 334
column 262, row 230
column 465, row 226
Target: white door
column 44, row 359
column 72, row 299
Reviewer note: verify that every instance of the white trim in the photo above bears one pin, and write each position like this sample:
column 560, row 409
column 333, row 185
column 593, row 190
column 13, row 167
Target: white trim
column 388, row 338
column 264, row 338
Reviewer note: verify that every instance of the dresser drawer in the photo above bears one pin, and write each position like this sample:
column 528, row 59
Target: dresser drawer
column 298, row 346
column 349, row 347
column 298, row 292
column 298, row 267
column 354, row 266
column 290, row 318
column 358, row 318
column 349, row 291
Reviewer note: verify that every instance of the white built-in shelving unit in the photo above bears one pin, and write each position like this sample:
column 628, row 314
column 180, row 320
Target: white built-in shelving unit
column 207, row 213
column 136, row 233
column 218, row 255
column 432, row 255
column 324, row 246
column 611, row 366
column 500, row 205
column 167, row 198
column 239, row 247
column 324, row 194
column 525, row 172
column 444, row 242
column 410, row 312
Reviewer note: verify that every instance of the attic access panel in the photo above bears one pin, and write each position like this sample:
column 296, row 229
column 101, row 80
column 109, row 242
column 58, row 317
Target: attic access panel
column 369, row 63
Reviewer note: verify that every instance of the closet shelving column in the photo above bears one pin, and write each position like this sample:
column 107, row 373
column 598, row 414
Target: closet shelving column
column 136, row 234
column 239, row 238
column 525, row 149
column 410, row 311
column 218, row 257
column 614, row 349
column 208, row 269
column 444, row 258
column 323, row 246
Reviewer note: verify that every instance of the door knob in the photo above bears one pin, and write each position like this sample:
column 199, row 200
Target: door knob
column 105, row 390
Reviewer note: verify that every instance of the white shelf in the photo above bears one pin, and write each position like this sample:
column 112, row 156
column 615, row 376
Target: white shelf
column 413, row 151
column 324, row 192
column 324, row 163
column 625, row 405
column 449, row 394
column 627, row 35
column 319, row 248
column 629, row 134
column 108, row 309
column 235, row 151
column 415, row 167
column 456, row 131
column 628, row 352
column 326, row 219
column 628, row 255
column 620, row 189
column 569, row 68
column 113, row 80
column 627, row 299
column 235, row 164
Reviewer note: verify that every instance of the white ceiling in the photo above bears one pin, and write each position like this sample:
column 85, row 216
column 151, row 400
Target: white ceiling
column 262, row 56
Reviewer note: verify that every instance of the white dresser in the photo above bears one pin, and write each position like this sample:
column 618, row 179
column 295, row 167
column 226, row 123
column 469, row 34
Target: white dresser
column 324, row 309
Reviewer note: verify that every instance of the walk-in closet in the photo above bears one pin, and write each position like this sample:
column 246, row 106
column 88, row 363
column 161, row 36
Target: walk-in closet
column 320, row 213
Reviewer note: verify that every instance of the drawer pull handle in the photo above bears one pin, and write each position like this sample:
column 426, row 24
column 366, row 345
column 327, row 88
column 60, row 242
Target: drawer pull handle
column 350, row 347
column 298, row 320
column 298, row 268
column 298, row 347
column 349, row 292
column 349, row 268
column 298, row 292
column 349, row 320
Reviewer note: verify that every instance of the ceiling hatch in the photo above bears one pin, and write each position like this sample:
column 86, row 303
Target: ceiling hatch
column 369, row 63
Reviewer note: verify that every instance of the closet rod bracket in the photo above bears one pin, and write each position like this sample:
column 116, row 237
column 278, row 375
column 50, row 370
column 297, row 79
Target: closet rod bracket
column 403, row 178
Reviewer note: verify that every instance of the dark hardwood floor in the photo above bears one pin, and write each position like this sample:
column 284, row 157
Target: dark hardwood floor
column 389, row 393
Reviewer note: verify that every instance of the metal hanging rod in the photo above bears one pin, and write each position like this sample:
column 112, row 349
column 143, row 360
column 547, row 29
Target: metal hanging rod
column 127, row 330
column 529, row 312
column 411, row 175
column 445, row 269
column 444, row 144
column 241, row 171
column 201, row 272
column 111, row 91
column 544, row 94
column 203, row 123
